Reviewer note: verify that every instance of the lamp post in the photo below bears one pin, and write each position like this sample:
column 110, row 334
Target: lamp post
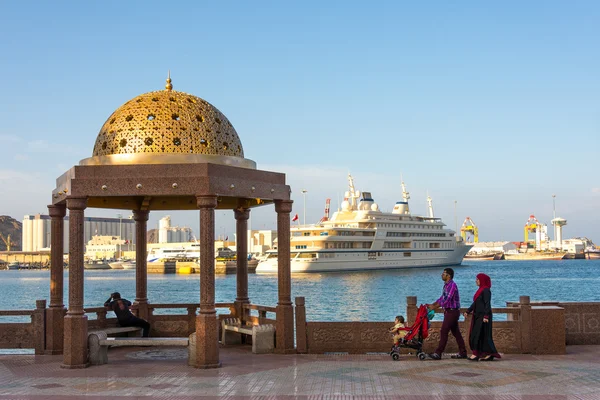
column 120, row 216
column 455, row 219
column 554, row 217
column 304, row 214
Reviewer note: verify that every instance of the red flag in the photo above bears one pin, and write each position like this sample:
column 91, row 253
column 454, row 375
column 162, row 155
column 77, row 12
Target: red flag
column 295, row 218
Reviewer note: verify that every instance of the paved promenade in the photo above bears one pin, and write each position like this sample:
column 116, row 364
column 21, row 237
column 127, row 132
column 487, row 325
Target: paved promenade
column 136, row 373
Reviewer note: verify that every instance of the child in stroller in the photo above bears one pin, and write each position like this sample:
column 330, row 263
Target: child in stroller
column 414, row 335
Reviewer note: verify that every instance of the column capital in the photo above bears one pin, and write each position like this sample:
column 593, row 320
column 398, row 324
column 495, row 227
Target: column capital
column 206, row 201
column 77, row 203
column 57, row 211
column 283, row 206
column 140, row 215
column 241, row 214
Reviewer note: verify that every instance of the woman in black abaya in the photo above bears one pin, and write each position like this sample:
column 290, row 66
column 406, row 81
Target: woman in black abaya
column 480, row 335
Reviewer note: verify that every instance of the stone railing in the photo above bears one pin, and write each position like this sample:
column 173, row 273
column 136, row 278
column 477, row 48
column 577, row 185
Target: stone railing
column 261, row 318
column 582, row 320
column 24, row 335
column 527, row 329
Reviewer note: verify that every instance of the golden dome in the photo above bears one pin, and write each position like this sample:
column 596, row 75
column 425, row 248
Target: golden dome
column 167, row 122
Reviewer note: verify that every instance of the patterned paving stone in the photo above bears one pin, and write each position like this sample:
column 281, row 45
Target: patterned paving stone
column 48, row 386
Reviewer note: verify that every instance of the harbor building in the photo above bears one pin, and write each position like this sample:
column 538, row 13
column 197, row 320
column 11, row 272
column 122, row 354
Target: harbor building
column 259, row 241
column 36, row 233
column 172, row 234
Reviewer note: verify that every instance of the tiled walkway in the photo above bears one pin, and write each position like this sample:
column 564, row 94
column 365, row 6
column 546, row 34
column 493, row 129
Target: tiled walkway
column 163, row 374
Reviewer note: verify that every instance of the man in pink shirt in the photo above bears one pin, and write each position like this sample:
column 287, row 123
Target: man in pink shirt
column 450, row 302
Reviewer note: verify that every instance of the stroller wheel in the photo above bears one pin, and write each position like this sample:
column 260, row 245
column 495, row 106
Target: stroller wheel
column 422, row 356
column 395, row 356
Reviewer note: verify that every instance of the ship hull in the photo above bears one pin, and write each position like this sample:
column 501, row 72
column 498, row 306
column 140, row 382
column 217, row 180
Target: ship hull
column 367, row 261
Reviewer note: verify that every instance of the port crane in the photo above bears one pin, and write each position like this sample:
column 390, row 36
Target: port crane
column 531, row 226
column 326, row 216
column 7, row 241
column 469, row 227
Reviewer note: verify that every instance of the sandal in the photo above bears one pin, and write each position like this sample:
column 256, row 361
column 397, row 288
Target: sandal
column 473, row 358
column 488, row 358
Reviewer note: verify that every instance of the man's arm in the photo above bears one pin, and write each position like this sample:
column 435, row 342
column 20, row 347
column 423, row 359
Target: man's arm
column 107, row 302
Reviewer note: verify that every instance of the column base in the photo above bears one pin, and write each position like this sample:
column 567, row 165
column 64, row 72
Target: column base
column 207, row 341
column 209, row 366
column 285, row 330
column 78, row 366
column 75, row 350
column 55, row 318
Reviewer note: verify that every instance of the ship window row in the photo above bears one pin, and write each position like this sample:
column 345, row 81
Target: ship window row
column 409, row 234
column 432, row 245
column 411, row 226
column 348, row 245
column 396, row 245
column 300, row 246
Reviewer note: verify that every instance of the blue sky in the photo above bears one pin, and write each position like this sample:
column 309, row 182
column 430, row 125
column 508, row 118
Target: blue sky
column 496, row 106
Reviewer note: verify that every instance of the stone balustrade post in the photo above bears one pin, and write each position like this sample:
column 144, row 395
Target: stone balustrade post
column 301, row 339
column 285, row 310
column 207, row 330
column 39, row 326
column 411, row 309
column 55, row 314
column 525, row 318
column 75, row 352
column 141, row 263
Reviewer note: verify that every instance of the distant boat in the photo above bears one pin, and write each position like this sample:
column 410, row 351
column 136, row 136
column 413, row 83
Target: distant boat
column 116, row 265
column 96, row 264
column 13, row 265
column 482, row 256
column 128, row 265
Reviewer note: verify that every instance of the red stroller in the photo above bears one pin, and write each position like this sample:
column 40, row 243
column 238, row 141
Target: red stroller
column 417, row 333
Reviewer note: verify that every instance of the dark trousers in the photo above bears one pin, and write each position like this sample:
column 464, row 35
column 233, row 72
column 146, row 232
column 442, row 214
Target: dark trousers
column 135, row 321
column 450, row 324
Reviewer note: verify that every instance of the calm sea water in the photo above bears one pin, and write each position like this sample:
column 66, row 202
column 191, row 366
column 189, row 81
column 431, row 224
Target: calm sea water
column 344, row 296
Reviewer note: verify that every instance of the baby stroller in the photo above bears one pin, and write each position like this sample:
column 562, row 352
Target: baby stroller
column 417, row 333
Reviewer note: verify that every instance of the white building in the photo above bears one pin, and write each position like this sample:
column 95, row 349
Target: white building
column 261, row 241
column 105, row 247
column 172, row 234
column 36, row 234
column 493, row 247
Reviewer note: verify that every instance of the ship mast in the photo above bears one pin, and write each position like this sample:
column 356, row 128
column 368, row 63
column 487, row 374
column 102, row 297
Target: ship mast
column 405, row 195
column 430, row 206
column 352, row 193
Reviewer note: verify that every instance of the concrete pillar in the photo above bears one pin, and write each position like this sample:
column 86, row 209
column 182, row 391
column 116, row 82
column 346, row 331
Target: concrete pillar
column 285, row 311
column 75, row 336
column 241, row 228
column 141, row 264
column 207, row 330
column 56, row 312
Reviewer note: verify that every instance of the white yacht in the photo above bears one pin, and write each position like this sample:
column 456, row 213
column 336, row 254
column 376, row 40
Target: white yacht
column 361, row 237
column 170, row 253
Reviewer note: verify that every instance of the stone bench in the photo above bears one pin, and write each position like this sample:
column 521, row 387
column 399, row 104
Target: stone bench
column 263, row 336
column 98, row 349
column 117, row 330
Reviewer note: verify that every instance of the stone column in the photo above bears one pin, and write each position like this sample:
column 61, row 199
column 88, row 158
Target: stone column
column 141, row 265
column 285, row 310
column 56, row 312
column 75, row 339
column 241, row 230
column 207, row 330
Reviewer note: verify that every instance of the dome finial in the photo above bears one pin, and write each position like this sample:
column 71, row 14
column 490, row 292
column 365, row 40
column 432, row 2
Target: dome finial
column 168, row 86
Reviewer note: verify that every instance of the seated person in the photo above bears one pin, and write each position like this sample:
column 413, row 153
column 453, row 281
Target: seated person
column 121, row 308
column 397, row 330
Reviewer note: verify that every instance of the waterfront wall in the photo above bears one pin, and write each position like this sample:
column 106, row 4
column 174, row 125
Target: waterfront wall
column 529, row 328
